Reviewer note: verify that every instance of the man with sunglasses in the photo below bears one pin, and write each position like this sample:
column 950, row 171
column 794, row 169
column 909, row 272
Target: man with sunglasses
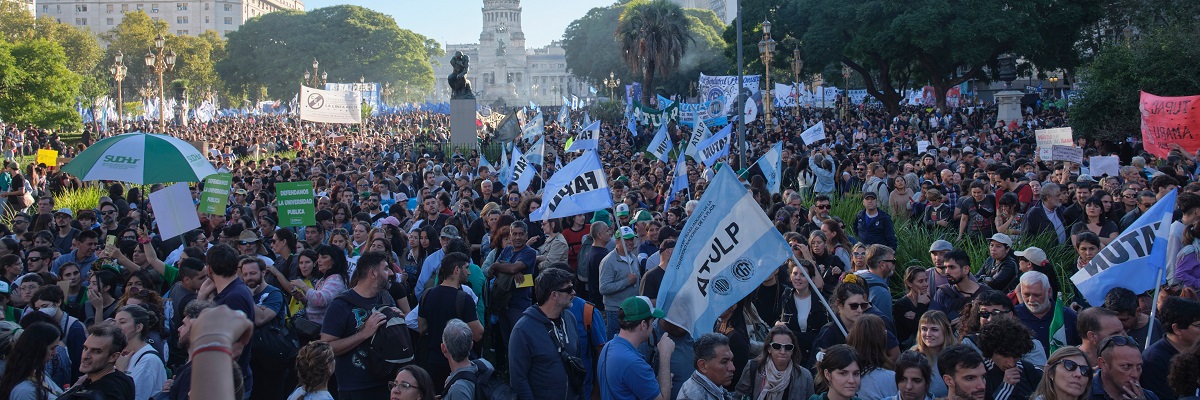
column 1145, row 200
column 541, row 341
column 1119, row 371
column 39, row 259
column 817, row 215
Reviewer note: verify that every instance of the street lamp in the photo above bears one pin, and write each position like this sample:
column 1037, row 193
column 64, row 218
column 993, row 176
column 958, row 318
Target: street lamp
column 846, row 80
column 158, row 64
column 797, row 65
column 766, row 48
column 118, row 71
column 611, row 83
column 313, row 79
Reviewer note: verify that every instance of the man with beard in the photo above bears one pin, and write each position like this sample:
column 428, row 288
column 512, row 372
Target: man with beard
column 99, row 364
column 351, row 321
column 226, row 288
column 268, row 306
column 1037, row 310
column 962, row 370
column 179, row 386
column 959, row 288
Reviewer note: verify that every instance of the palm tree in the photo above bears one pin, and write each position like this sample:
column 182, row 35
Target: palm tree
column 653, row 36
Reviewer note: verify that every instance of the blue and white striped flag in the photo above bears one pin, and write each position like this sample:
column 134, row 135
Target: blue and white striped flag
column 771, row 165
column 534, row 128
column 716, row 146
column 523, row 170
column 679, row 184
column 1133, row 260
column 587, row 139
column 564, row 117
column 661, row 145
column 727, row 248
column 632, row 126
column 537, row 152
column 577, row 188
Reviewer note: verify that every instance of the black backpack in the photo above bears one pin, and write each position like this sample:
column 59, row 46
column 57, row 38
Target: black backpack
column 391, row 347
column 486, row 388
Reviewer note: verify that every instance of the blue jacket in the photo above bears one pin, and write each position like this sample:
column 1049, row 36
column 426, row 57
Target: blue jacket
column 536, row 371
column 877, row 287
column 878, row 230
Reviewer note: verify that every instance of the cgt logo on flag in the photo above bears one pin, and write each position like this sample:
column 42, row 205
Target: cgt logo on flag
column 743, row 270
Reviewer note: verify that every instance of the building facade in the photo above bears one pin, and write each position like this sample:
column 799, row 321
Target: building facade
column 503, row 70
column 726, row 10
column 184, row 17
column 30, row 5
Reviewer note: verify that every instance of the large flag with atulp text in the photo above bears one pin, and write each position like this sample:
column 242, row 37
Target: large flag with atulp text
column 1134, row 259
column 577, row 188
column 727, row 248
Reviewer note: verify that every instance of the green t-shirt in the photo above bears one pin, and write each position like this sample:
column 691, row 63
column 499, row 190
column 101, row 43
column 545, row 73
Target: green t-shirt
column 170, row 273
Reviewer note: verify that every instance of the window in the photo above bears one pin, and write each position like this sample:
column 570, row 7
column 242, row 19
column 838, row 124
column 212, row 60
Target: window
column 58, row 8
column 181, row 32
column 81, row 8
column 124, row 8
column 108, row 21
column 207, row 20
column 181, row 6
column 228, row 20
column 154, row 7
column 181, row 19
column 81, row 21
column 108, row 8
column 45, row 8
column 140, row 7
column 228, row 7
column 205, row 6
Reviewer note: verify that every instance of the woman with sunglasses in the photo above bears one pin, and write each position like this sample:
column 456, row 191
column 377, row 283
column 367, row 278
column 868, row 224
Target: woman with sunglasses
column 849, row 301
column 1068, row 376
column 776, row 374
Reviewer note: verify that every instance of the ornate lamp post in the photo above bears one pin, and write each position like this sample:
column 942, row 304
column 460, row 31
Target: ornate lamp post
column 766, row 48
column 611, row 83
column 118, row 71
column 314, row 80
column 158, row 64
column 797, row 65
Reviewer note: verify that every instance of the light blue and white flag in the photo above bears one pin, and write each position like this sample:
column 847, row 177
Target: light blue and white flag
column 699, row 133
column 587, row 119
column 661, row 145
column 716, row 146
column 564, row 117
column 522, row 170
column 506, row 166
column 537, row 152
column 727, row 248
column 771, row 165
column 577, row 188
column 632, row 126
column 587, row 139
column 533, row 106
column 1133, row 260
column 534, row 128
column 679, row 184
column 483, row 162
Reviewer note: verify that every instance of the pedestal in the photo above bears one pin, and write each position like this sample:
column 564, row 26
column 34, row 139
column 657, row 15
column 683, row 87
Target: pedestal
column 463, row 130
column 1008, row 104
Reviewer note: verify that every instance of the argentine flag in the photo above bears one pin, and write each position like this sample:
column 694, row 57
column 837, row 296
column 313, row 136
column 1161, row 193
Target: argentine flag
column 564, row 117
column 661, row 145
column 632, row 126
column 716, row 146
column 537, row 152
column 727, row 248
column 534, row 128
column 771, row 164
column 577, row 188
column 679, row 184
column 522, row 170
column 1133, row 260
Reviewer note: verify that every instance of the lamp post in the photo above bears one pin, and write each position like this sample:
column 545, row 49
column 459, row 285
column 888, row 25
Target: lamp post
column 313, row 79
column 846, row 80
column 1128, row 31
column 118, row 71
column 766, row 48
column 611, row 83
column 159, row 63
column 797, row 65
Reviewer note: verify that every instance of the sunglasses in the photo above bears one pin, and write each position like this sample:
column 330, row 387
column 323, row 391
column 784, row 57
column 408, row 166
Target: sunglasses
column 860, row 253
column 1118, row 341
column 782, row 346
column 823, row 206
column 996, row 313
column 859, row 306
column 107, row 212
column 1072, row 366
column 567, row 290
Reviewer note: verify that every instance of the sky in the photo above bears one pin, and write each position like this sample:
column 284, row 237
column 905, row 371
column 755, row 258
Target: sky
column 460, row 21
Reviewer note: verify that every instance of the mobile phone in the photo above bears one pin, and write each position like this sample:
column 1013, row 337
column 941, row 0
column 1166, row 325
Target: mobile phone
column 110, row 240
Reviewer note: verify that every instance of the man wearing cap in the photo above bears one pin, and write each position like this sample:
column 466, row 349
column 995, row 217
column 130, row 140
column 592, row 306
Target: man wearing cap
column 873, row 225
column 624, row 373
column 999, row 271
column 619, row 276
column 1034, row 259
column 937, row 254
column 434, row 261
column 249, row 244
column 64, row 233
column 622, row 211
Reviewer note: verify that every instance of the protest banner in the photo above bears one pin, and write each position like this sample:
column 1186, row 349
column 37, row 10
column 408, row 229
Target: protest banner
column 1104, row 165
column 922, row 146
column 579, row 187
column 173, row 210
column 1066, row 153
column 655, row 117
column 335, row 107
column 1048, row 138
column 724, row 88
column 215, row 195
column 814, row 134
column 295, row 203
column 1133, row 260
column 1170, row 120
column 47, row 157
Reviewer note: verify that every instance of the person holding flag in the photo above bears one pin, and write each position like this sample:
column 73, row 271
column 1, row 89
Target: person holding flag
column 579, row 187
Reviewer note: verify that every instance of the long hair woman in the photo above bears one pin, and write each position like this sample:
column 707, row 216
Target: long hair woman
column 331, row 262
column 1068, row 376
column 909, row 308
column 869, row 340
column 139, row 360
column 829, row 266
column 24, row 375
column 1096, row 221
column 314, row 366
column 838, row 374
column 801, row 312
column 836, row 239
column 849, row 301
column 776, row 374
column 934, row 334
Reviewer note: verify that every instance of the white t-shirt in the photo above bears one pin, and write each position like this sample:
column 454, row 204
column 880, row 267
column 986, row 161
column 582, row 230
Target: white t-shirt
column 147, row 371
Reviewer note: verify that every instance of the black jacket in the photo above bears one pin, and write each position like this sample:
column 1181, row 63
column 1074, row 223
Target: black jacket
column 1036, row 222
column 817, row 318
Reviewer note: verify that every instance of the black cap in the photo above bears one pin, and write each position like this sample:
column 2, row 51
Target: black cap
column 870, row 195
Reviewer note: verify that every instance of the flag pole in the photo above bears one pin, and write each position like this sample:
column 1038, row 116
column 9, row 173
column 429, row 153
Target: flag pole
column 817, row 293
column 1154, row 306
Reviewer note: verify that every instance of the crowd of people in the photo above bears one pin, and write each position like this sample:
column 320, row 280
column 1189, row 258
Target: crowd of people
column 425, row 276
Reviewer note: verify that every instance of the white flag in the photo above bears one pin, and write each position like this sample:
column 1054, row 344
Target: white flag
column 328, row 106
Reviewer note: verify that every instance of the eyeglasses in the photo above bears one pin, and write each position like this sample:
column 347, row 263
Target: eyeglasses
column 782, row 346
column 858, row 306
column 996, row 313
column 1147, row 205
column 1072, row 366
column 1118, row 341
column 567, row 290
column 402, row 385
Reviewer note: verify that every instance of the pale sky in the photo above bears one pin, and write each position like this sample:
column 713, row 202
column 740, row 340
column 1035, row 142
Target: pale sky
column 460, row 21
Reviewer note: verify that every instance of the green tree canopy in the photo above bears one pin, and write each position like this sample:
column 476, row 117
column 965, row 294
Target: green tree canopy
column 36, row 87
column 653, row 36
column 82, row 49
column 274, row 50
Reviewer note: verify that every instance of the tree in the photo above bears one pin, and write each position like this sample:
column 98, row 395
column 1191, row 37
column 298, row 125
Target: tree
column 82, row 48
column 134, row 37
column 195, row 60
column 654, row 36
column 274, row 50
column 36, row 87
column 1160, row 62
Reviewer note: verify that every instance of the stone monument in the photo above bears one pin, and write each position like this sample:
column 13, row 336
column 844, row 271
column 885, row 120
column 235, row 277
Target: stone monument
column 1008, row 101
column 463, row 131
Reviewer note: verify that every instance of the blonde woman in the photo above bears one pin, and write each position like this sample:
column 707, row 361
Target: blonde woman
column 934, row 334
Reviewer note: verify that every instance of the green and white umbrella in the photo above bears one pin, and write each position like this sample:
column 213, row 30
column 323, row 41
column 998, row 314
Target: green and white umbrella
column 141, row 158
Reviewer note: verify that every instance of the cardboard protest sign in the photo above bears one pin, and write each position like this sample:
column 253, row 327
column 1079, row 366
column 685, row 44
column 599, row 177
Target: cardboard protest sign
column 1048, row 138
column 296, row 204
column 173, row 210
column 215, row 195
column 1104, row 165
column 1066, row 153
column 1169, row 120
column 48, row 157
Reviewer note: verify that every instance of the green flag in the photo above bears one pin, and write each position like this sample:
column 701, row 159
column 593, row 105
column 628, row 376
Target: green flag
column 1058, row 333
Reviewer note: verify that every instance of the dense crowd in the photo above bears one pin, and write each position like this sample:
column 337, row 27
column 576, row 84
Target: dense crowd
column 425, row 276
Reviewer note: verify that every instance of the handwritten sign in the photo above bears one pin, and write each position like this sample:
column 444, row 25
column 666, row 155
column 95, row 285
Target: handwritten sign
column 1066, row 153
column 1048, row 138
column 48, row 157
column 1168, row 120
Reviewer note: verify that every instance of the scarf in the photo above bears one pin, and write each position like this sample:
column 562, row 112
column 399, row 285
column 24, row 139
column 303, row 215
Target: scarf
column 775, row 382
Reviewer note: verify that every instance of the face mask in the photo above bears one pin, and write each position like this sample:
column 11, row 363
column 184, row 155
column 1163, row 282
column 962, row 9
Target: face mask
column 51, row 311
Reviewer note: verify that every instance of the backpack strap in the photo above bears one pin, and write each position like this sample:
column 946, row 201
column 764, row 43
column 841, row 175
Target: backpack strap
column 463, row 375
column 588, row 309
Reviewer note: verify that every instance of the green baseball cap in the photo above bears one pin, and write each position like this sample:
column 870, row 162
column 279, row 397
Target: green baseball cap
column 642, row 216
column 638, row 308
